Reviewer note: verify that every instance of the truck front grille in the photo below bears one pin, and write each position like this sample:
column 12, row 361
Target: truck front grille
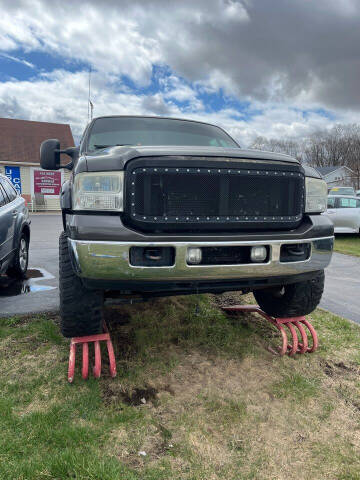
column 246, row 195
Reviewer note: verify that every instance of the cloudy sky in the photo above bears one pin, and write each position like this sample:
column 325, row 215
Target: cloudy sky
column 276, row 68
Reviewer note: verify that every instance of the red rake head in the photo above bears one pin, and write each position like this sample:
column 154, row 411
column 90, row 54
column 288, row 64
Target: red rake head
column 293, row 325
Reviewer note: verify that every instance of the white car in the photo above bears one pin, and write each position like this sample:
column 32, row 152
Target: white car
column 344, row 212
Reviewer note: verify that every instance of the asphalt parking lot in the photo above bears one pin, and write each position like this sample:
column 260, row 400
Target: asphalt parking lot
column 45, row 231
column 342, row 285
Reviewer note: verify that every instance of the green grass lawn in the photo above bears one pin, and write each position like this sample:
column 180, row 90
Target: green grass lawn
column 348, row 244
column 196, row 390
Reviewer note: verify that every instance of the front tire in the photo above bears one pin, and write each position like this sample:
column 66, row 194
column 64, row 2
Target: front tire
column 20, row 263
column 293, row 300
column 81, row 310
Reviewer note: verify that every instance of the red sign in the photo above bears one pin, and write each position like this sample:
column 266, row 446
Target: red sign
column 47, row 182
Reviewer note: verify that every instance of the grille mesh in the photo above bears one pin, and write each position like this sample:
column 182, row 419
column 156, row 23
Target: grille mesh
column 174, row 195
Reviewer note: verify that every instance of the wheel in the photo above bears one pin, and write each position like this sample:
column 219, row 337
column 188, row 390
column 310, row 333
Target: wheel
column 20, row 263
column 81, row 309
column 293, row 300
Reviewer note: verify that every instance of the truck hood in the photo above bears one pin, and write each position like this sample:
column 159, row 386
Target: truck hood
column 115, row 158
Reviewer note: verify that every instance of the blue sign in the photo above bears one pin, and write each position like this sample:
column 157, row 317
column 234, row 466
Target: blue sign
column 13, row 174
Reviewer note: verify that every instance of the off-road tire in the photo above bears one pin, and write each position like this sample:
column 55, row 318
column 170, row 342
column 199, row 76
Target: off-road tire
column 81, row 309
column 293, row 300
column 18, row 267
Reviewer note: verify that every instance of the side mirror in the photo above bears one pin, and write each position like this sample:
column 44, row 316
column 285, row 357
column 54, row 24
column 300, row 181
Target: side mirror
column 50, row 154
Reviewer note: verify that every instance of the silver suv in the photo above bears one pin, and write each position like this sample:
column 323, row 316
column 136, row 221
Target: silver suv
column 14, row 231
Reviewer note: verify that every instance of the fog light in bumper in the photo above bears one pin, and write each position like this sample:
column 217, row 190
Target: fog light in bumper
column 194, row 255
column 258, row 254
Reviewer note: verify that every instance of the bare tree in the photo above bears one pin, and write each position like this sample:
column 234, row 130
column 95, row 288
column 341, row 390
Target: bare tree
column 339, row 146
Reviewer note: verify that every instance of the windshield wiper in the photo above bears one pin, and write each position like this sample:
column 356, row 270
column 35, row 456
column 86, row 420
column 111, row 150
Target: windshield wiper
column 116, row 145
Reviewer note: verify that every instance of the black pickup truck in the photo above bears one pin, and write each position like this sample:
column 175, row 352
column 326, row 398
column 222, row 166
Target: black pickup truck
column 163, row 206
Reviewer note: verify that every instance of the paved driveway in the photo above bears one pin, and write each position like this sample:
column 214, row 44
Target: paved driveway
column 342, row 286
column 45, row 231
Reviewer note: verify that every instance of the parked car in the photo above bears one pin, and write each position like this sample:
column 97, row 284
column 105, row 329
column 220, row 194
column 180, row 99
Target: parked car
column 342, row 191
column 344, row 212
column 163, row 206
column 14, row 231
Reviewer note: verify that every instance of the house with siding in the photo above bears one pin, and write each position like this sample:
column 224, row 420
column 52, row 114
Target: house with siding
column 337, row 176
column 20, row 142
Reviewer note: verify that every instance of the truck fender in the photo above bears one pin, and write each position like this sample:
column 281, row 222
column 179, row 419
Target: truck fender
column 65, row 196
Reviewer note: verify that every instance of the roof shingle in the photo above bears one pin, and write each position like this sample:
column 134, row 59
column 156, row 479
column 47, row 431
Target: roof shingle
column 20, row 140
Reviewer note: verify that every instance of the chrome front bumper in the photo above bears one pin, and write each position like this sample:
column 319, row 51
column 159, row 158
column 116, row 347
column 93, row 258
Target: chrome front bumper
column 101, row 260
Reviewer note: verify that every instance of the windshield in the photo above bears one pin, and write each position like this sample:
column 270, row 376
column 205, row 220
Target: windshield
column 111, row 131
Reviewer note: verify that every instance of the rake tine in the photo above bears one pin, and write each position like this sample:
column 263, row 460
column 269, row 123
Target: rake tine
column 112, row 362
column 295, row 341
column 313, row 334
column 71, row 369
column 302, row 347
column 97, row 366
column 85, row 361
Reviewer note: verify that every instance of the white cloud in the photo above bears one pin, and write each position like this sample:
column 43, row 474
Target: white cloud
column 17, row 60
column 259, row 51
column 61, row 96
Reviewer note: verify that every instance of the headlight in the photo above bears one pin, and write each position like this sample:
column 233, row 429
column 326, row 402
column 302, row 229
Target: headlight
column 316, row 195
column 98, row 191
